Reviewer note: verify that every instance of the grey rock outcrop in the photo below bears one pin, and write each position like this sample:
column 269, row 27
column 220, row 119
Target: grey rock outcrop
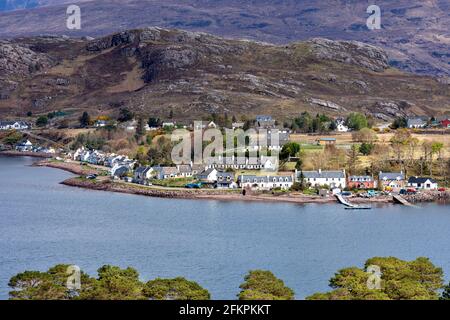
column 20, row 61
column 350, row 52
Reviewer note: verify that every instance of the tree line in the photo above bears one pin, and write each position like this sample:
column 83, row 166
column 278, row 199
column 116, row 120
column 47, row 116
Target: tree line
column 393, row 279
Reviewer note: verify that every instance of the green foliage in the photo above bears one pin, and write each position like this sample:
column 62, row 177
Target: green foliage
column 160, row 152
column 89, row 140
column 35, row 285
column 297, row 186
column 263, row 285
column 446, row 293
column 174, row 289
column 42, row 121
column 299, row 165
column 357, row 121
column 399, row 122
column 12, row 138
column 366, row 148
column 125, row 115
column 85, row 120
column 400, row 280
column 154, row 122
column 308, row 124
column 114, row 283
column 290, row 149
column 140, row 128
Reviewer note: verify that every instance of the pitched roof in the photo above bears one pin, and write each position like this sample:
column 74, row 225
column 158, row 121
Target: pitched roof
column 169, row 170
column 143, row 170
column 264, row 179
column 207, row 172
column 416, row 121
column 360, row 178
column 323, row 174
column 420, row 180
column 391, row 175
column 263, row 118
column 184, row 168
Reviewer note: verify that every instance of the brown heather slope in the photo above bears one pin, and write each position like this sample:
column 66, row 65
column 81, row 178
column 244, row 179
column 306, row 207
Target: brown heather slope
column 155, row 70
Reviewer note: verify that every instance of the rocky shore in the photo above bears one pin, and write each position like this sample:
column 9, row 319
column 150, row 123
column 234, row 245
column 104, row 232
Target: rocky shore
column 179, row 193
column 70, row 167
column 429, row 196
column 12, row 153
column 106, row 184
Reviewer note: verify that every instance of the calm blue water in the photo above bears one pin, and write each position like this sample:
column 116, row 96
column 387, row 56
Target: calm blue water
column 43, row 223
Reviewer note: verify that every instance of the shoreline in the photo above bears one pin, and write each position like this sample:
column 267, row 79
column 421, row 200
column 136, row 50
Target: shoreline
column 156, row 192
column 105, row 184
column 12, row 153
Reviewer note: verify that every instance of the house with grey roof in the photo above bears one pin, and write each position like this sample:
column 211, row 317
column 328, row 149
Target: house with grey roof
column 394, row 181
column 185, row 170
column 143, row 173
column 163, row 173
column 120, row 171
column 24, row 146
column 361, row 182
column 14, row 125
column 225, row 180
column 268, row 182
column 274, row 140
column 417, row 122
column 319, row 178
column 208, row 175
column 422, row 183
column 265, row 122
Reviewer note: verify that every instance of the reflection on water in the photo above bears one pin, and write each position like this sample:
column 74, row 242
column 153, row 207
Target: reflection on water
column 43, row 223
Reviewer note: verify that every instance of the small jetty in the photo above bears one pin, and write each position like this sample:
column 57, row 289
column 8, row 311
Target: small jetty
column 399, row 199
column 350, row 206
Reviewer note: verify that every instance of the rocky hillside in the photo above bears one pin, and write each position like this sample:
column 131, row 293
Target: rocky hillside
column 155, row 71
column 415, row 33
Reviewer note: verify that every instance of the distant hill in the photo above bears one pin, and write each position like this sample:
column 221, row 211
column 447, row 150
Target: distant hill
column 154, row 71
column 11, row 5
column 415, row 32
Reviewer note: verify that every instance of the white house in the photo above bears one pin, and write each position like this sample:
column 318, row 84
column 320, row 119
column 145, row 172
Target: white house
column 143, row 173
column 185, row 170
column 416, row 123
column 212, row 125
column 392, row 180
column 168, row 125
column 422, row 183
column 163, row 173
column 341, row 127
column 225, row 180
column 209, row 175
column 237, row 125
column 100, row 123
column 25, row 146
column 265, row 182
column 270, row 163
column 14, row 125
column 333, row 179
column 119, row 170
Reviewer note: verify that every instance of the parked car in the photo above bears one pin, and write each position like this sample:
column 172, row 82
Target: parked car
column 193, row 186
column 346, row 194
column 442, row 189
column 91, row 176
